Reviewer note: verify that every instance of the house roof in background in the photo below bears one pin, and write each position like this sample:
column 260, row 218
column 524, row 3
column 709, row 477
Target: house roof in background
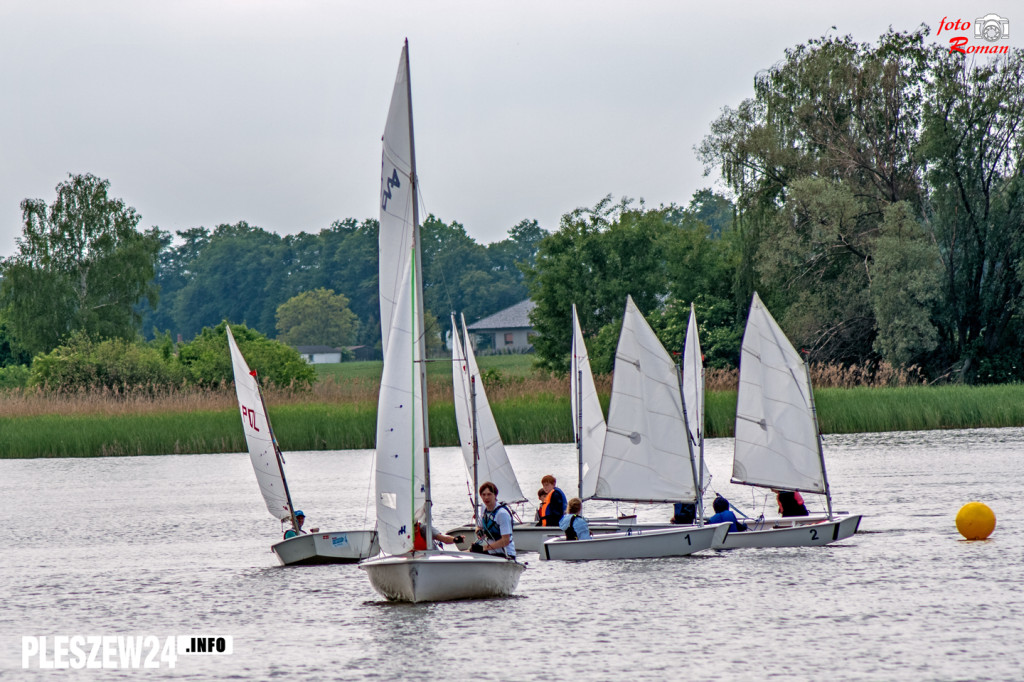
column 316, row 349
column 514, row 317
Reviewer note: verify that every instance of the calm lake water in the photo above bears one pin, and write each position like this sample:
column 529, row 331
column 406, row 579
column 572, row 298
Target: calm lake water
column 180, row 544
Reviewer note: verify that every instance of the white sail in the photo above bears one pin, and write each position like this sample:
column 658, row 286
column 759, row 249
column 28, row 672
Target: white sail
column 776, row 436
column 397, row 199
column 693, row 391
column 645, row 458
column 493, row 464
column 586, row 408
column 258, row 436
column 400, row 433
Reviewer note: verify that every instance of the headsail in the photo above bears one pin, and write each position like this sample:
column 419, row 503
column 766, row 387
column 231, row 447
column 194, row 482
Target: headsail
column 776, row 435
column 693, row 393
column 397, row 200
column 258, row 436
column 645, row 458
column 400, row 434
column 588, row 425
column 493, row 464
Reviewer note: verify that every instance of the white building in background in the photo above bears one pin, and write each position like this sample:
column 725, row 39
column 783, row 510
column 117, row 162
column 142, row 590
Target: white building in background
column 507, row 331
column 316, row 355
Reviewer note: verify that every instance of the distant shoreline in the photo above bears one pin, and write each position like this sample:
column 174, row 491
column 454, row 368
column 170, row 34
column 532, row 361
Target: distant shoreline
column 521, row 418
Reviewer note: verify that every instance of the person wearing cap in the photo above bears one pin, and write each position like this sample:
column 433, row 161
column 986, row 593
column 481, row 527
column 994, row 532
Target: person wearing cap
column 299, row 519
column 723, row 514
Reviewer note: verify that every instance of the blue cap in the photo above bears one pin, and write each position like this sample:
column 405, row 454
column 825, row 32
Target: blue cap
column 298, row 512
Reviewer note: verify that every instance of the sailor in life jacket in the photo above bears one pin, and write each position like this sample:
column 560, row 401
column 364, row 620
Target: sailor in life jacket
column 791, row 503
column 419, row 540
column 494, row 525
column 299, row 519
column 575, row 526
column 552, row 508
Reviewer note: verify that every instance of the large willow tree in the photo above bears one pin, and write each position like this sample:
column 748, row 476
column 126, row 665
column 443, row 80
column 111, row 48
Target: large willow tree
column 878, row 194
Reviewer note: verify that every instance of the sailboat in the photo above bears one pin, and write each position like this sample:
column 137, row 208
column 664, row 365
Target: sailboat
column 778, row 443
column 268, row 463
column 483, row 450
column 645, row 457
column 403, row 502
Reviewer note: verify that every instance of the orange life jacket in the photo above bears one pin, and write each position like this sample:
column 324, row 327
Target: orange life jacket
column 544, row 507
column 419, row 539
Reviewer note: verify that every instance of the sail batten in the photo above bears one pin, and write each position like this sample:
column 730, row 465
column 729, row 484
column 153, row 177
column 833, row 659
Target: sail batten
column 645, row 458
column 776, row 443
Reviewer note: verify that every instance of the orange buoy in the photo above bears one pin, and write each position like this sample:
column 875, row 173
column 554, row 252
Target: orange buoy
column 975, row 521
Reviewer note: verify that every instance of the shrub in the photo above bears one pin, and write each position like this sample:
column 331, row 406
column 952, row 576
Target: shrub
column 207, row 361
column 83, row 363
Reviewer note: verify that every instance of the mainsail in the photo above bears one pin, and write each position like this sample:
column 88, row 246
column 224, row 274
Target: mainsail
column 493, row 464
column 401, row 466
column 402, row 478
column 259, row 438
column 588, row 425
column 776, row 435
column 397, row 205
column 693, row 394
column 645, row 458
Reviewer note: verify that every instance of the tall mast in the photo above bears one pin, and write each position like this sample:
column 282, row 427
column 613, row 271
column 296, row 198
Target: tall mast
column 689, row 446
column 472, row 418
column 421, row 357
column 817, row 438
column 578, row 374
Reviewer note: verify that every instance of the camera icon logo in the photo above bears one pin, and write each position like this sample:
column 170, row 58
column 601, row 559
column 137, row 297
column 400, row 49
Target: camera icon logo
column 992, row 27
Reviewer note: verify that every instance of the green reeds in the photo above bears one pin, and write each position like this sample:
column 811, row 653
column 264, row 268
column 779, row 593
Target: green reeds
column 532, row 409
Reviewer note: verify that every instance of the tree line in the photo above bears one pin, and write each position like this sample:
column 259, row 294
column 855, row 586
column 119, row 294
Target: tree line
column 873, row 199
column 879, row 213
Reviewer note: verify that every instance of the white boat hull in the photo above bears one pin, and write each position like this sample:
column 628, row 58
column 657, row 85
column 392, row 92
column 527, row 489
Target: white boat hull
column 800, row 535
column 637, row 544
column 442, row 576
column 339, row 547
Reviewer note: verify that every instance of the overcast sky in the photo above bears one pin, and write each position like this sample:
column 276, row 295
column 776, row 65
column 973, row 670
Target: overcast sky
column 202, row 112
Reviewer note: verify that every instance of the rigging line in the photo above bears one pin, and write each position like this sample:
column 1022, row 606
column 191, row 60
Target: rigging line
column 370, row 483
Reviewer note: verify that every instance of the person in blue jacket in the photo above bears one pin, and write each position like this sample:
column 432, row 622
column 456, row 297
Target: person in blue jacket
column 574, row 519
column 724, row 514
column 553, row 507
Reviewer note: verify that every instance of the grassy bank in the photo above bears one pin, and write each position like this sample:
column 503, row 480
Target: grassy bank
column 340, row 413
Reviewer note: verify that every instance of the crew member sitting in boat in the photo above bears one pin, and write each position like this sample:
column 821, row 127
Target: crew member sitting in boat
column 575, row 526
column 494, row 525
column 684, row 513
column 541, row 496
column 419, row 542
column 297, row 530
column 553, row 507
column 723, row 514
column 791, row 503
